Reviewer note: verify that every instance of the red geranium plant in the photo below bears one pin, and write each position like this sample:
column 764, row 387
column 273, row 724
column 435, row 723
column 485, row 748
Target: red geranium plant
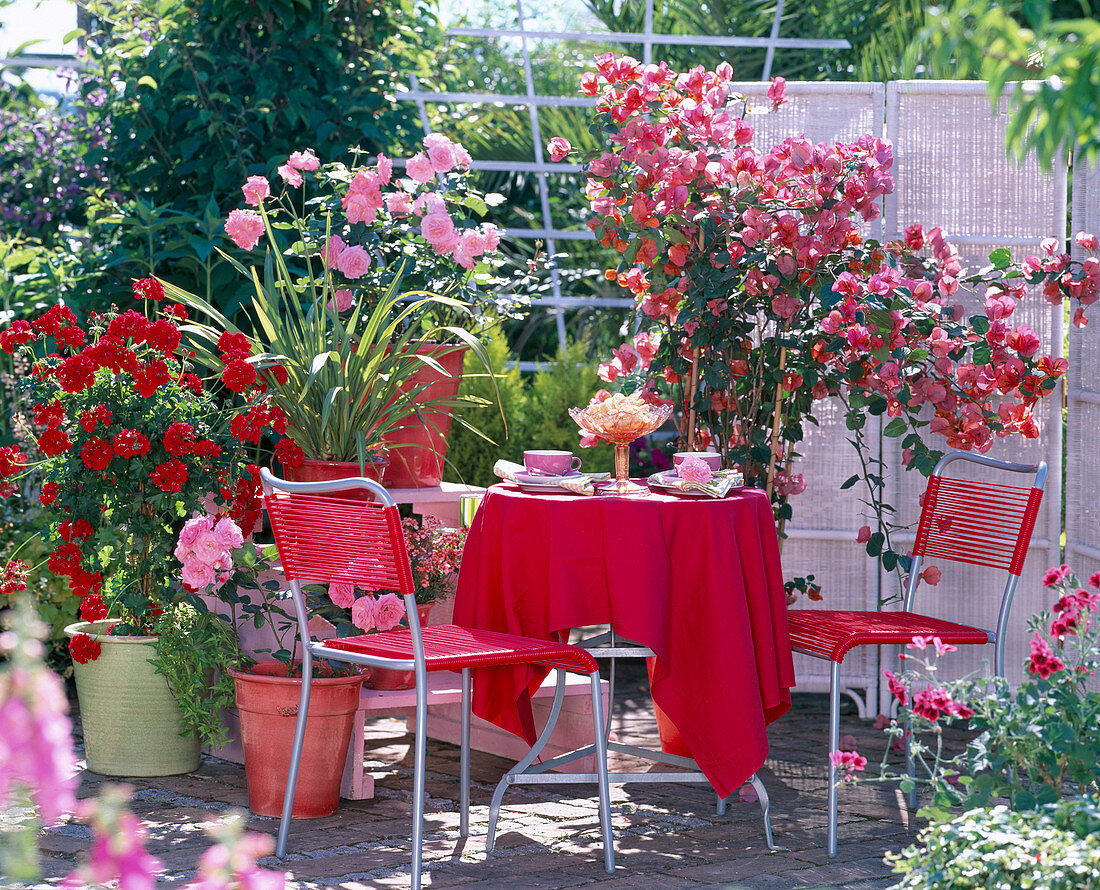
column 130, row 444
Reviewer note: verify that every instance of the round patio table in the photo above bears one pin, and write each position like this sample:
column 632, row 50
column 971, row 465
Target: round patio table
column 697, row 580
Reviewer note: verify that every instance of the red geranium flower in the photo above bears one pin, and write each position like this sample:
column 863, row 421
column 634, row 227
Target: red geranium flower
column 129, row 324
column 110, row 352
column 54, row 319
column 65, row 559
column 98, row 414
column 70, row 336
column 54, row 441
column 83, row 583
column 18, row 332
column 84, row 649
column 70, row 531
column 239, row 375
column 93, row 608
column 49, row 493
column 192, row 382
column 206, row 448
column 151, row 376
column 176, row 310
column 163, row 336
column 148, row 289
column 130, row 443
column 179, row 439
column 52, row 414
column 233, row 346
column 96, row 454
column 76, row 373
column 13, row 578
column 170, row 475
column 288, row 453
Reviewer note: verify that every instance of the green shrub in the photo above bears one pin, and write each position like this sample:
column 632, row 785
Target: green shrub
column 1056, row 847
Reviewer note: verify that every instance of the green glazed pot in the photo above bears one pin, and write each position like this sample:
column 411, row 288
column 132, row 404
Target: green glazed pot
column 132, row 725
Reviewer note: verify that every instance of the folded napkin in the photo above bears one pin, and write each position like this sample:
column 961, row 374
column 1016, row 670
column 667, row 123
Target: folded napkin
column 718, row 486
column 581, row 484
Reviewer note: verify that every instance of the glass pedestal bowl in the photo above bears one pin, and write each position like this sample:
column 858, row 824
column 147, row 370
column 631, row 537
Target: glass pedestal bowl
column 620, row 420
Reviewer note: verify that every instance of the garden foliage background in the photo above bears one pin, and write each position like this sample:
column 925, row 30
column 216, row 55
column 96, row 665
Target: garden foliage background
column 180, row 102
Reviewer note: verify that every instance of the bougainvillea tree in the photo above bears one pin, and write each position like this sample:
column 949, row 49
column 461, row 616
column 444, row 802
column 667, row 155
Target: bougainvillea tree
column 760, row 294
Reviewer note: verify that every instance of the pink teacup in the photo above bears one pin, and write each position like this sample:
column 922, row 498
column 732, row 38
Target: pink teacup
column 551, row 463
column 711, row 458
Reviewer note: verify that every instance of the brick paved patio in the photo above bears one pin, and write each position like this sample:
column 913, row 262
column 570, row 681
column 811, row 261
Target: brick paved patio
column 666, row 836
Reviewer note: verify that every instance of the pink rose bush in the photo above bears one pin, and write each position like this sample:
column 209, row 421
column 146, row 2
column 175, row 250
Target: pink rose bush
column 205, row 548
column 750, row 266
column 1029, row 741
column 370, row 227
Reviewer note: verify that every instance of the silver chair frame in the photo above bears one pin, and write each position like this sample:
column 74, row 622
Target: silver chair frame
column 312, row 649
column 997, row 637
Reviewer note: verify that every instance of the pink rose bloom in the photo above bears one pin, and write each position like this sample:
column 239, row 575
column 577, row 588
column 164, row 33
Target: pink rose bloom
column 303, row 160
column 462, row 254
column 291, row 176
column 492, row 237
column 385, row 169
column 388, row 611
column 398, row 203
column 255, row 189
column 442, row 156
column 438, row 230
column 431, row 202
column 558, row 148
column 331, row 251
column 342, row 299
column 362, row 612
column 695, row 469
column 342, row 593
column 354, row 262
column 420, row 168
column 462, row 157
column 228, row 534
column 363, row 205
column 245, row 228
column 197, row 574
column 190, row 533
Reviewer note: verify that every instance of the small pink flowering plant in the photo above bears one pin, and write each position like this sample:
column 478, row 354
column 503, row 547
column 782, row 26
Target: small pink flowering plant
column 366, row 226
column 1028, row 743
column 752, row 273
column 216, row 559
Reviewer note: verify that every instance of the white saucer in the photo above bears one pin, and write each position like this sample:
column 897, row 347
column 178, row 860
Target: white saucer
column 542, row 480
column 666, row 482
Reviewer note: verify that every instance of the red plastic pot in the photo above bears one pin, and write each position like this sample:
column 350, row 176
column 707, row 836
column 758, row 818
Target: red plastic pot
column 419, row 463
column 267, row 701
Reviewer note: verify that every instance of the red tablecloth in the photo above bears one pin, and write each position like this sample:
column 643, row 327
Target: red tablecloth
column 696, row 580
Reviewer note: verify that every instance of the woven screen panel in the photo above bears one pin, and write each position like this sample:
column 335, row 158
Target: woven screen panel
column 1082, row 467
column 327, row 538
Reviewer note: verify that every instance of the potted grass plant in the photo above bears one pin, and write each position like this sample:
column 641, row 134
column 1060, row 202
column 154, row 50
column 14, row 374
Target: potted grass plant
column 364, row 310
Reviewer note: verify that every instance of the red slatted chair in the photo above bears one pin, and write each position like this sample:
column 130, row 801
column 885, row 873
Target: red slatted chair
column 324, row 537
column 981, row 523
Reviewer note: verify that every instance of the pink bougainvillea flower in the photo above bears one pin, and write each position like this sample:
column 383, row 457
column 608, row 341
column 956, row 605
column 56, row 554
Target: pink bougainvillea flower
column 931, row 575
column 558, row 148
column 864, row 534
column 245, row 228
column 777, row 92
column 256, row 189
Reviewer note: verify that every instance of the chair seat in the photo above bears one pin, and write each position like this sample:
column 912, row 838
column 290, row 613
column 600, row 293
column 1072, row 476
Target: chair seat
column 448, row 647
column 832, row 634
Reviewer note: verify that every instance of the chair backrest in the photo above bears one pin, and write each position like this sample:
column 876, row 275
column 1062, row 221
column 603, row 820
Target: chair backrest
column 324, row 538
column 983, row 523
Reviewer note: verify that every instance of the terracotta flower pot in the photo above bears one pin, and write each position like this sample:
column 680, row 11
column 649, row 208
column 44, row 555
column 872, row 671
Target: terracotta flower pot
column 384, row 678
column 267, row 701
column 330, row 470
column 132, row 725
column 420, row 463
